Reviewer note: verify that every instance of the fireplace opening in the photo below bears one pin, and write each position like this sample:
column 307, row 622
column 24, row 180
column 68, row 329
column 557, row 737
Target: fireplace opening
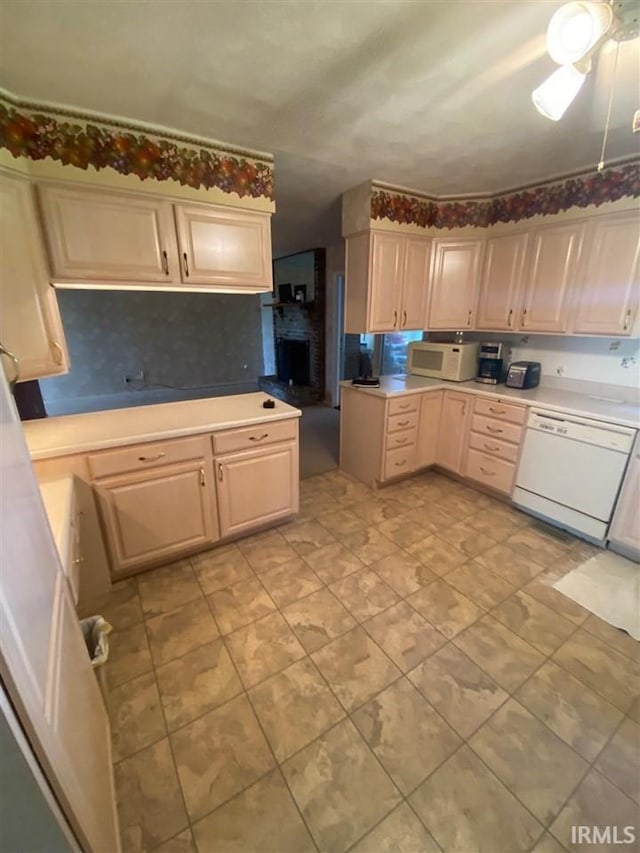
column 292, row 361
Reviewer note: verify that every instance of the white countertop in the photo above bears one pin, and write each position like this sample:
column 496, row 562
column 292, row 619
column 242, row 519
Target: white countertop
column 57, row 496
column 60, row 436
column 611, row 408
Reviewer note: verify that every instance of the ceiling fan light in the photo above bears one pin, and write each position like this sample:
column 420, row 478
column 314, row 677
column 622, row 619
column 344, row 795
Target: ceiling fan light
column 575, row 29
column 554, row 96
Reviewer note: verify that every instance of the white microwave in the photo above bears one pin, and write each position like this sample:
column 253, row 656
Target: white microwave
column 454, row 362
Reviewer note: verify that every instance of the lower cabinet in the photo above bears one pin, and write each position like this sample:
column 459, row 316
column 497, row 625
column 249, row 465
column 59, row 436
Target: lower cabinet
column 154, row 515
column 493, row 443
column 255, row 487
column 624, row 534
column 428, row 429
column 451, row 447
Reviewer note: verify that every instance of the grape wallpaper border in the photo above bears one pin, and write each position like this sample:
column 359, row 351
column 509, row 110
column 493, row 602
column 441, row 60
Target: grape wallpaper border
column 591, row 188
column 73, row 139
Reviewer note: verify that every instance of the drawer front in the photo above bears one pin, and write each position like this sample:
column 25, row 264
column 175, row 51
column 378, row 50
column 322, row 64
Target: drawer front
column 402, row 405
column 400, row 460
column 486, row 444
column 491, row 471
column 248, row 438
column 140, row 456
column 501, row 411
column 496, row 429
column 402, row 438
column 408, row 420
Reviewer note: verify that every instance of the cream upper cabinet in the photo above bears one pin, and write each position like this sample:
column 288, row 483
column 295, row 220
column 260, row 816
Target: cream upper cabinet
column 224, row 247
column 455, row 270
column 501, row 285
column 103, row 236
column 551, row 272
column 30, row 325
column 415, row 281
column 386, row 282
column 456, row 410
column 609, row 276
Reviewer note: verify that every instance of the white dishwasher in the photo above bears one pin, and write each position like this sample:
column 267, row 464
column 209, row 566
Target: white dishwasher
column 571, row 469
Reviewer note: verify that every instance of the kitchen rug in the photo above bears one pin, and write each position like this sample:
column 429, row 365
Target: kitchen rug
column 609, row 586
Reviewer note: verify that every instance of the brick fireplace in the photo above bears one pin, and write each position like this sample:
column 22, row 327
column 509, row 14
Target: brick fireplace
column 299, row 334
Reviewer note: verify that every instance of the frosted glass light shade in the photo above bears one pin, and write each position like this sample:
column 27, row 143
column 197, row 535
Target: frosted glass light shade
column 557, row 92
column 575, row 29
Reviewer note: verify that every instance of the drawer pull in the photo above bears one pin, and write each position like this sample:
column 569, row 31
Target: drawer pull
column 497, row 411
column 404, row 405
column 399, row 464
column 401, row 440
column 259, row 437
column 487, row 472
column 494, row 429
column 403, row 423
column 491, row 447
column 151, row 458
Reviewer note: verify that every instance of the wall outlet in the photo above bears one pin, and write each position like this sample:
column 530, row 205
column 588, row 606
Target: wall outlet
column 137, row 378
column 560, row 371
column 628, row 362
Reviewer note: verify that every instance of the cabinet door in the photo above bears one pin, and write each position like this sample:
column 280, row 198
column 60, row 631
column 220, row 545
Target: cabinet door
column 256, row 487
column 625, row 528
column 386, row 259
column 30, row 325
column 453, row 428
column 157, row 515
column 499, row 300
column 103, row 236
column 415, row 283
column 224, row 247
column 428, row 428
column 610, row 277
column 454, row 276
column 552, row 266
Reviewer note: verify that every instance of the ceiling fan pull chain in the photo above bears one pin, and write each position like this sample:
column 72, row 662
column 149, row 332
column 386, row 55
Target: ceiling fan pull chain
column 608, row 121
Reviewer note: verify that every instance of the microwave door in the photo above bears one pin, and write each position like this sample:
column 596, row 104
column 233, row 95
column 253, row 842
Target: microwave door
column 428, row 360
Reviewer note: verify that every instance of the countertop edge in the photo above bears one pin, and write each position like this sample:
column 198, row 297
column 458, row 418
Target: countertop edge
column 568, row 408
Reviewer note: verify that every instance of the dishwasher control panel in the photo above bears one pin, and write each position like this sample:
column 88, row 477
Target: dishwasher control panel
column 582, row 429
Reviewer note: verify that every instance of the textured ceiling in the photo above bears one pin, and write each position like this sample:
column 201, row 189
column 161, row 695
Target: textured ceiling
column 426, row 94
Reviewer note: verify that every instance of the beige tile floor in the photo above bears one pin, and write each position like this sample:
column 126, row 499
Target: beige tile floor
column 392, row 671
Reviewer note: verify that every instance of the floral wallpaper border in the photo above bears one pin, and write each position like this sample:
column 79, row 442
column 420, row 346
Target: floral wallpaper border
column 581, row 191
column 28, row 130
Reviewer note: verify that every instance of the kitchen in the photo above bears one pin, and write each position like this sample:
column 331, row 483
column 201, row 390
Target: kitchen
column 164, row 484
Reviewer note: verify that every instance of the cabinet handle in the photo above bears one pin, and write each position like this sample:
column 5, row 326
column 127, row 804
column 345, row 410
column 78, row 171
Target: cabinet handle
column 402, row 462
column 16, row 366
column 259, row 437
column 404, row 405
column 186, row 265
column 404, row 319
column 523, row 322
column 491, row 447
column 151, row 458
column 56, row 352
column 401, row 441
column 510, row 318
column 165, row 262
column 203, row 482
column 395, row 319
column 627, row 317
column 464, row 408
column 220, row 472
column 494, row 429
column 78, row 561
column 469, row 317
column 403, row 423
column 497, row 411
column 487, row 472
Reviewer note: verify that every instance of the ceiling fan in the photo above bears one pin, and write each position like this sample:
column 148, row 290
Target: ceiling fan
column 576, row 32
